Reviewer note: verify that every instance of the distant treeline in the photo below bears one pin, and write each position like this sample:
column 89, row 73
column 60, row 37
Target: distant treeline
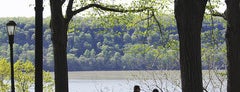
column 93, row 47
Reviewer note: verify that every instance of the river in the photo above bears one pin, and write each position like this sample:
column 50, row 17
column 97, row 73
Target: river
column 121, row 81
column 110, row 86
column 124, row 81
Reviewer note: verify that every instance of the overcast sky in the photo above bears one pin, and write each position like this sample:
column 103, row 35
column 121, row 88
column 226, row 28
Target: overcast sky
column 24, row 8
column 18, row 8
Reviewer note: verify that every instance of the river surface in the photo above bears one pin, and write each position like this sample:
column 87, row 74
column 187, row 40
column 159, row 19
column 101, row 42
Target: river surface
column 100, row 86
column 112, row 86
column 124, row 81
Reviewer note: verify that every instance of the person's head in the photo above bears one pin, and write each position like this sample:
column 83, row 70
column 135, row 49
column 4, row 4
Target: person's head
column 136, row 88
column 155, row 90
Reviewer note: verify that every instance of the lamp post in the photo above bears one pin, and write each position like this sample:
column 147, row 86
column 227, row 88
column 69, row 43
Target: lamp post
column 11, row 27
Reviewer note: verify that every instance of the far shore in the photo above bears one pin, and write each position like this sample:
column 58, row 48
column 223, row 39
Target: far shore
column 115, row 75
column 127, row 75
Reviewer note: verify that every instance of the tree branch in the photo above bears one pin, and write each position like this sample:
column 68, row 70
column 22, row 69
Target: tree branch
column 107, row 9
column 69, row 12
column 69, row 6
column 158, row 23
column 218, row 14
column 149, row 17
column 62, row 2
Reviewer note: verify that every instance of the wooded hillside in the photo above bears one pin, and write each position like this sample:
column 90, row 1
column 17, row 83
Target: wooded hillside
column 92, row 46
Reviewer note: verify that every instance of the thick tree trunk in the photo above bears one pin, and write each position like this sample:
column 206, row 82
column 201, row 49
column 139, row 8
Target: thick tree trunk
column 233, row 45
column 189, row 17
column 59, row 38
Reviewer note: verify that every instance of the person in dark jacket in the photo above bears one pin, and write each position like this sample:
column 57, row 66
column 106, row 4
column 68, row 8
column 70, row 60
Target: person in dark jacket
column 155, row 90
column 136, row 88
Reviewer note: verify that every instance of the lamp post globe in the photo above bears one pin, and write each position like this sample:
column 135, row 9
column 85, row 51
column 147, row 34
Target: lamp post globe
column 11, row 27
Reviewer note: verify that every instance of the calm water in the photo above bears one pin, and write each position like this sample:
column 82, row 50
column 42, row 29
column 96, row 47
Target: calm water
column 113, row 86
column 100, row 86
column 124, row 81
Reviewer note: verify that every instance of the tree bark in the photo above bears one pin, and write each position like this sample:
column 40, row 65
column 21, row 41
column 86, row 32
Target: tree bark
column 233, row 45
column 59, row 38
column 189, row 17
column 39, row 46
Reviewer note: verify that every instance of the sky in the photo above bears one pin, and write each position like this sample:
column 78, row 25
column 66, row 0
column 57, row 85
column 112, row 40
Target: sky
column 25, row 8
column 19, row 8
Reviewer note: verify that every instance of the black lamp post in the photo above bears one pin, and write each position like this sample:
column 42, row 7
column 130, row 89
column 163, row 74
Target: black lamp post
column 11, row 27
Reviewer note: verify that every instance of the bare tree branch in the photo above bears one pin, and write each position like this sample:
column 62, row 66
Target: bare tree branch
column 218, row 14
column 70, row 13
column 149, row 17
column 205, row 89
column 156, row 20
column 158, row 23
column 107, row 9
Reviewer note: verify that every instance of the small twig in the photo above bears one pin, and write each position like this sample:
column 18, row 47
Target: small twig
column 205, row 90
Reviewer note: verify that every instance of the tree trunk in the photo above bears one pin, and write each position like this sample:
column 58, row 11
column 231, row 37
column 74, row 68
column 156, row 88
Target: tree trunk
column 189, row 17
column 39, row 46
column 59, row 38
column 233, row 45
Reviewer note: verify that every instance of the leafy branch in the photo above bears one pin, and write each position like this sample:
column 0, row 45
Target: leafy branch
column 214, row 12
column 70, row 13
